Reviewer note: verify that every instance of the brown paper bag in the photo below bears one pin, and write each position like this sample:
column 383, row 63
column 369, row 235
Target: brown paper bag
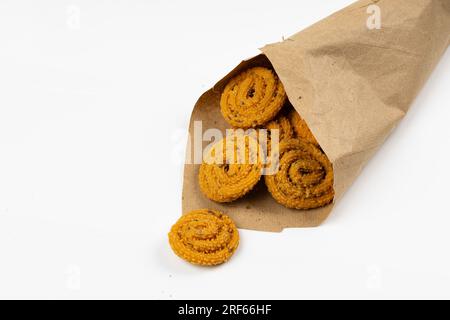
column 351, row 83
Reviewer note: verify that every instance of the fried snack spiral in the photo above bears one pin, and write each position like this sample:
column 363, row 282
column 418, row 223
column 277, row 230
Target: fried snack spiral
column 231, row 169
column 305, row 177
column 285, row 131
column 252, row 98
column 283, row 125
column 204, row 237
column 301, row 129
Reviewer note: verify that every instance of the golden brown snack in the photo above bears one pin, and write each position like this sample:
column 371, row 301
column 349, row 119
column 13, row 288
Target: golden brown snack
column 285, row 131
column 231, row 169
column 252, row 98
column 305, row 177
column 301, row 129
column 204, row 237
column 284, row 126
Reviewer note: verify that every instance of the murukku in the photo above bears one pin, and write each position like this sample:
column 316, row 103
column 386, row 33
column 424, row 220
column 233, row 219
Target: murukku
column 305, row 176
column 231, row 168
column 204, row 237
column 301, row 129
column 252, row 98
column 284, row 126
column 285, row 131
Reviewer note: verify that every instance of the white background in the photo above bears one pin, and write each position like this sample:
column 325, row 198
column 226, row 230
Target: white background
column 95, row 98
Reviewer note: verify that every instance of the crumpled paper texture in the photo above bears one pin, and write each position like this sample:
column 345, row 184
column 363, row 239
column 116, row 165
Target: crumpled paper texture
column 350, row 83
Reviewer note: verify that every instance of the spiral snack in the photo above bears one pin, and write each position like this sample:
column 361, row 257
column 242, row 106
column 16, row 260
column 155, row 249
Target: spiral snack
column 285, row 131
column 252, row 98
column 204, row 237
column 283, row 125
column 301, row 129
column 231, row 169
column 305, row 176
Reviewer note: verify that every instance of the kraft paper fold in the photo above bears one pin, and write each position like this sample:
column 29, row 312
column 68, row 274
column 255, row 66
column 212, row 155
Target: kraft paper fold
column 350, row 83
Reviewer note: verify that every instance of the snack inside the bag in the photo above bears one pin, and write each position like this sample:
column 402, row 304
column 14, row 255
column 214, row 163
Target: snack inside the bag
column 305, row 177
column 231, row 168
column 252, row 98
column 304, row 180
